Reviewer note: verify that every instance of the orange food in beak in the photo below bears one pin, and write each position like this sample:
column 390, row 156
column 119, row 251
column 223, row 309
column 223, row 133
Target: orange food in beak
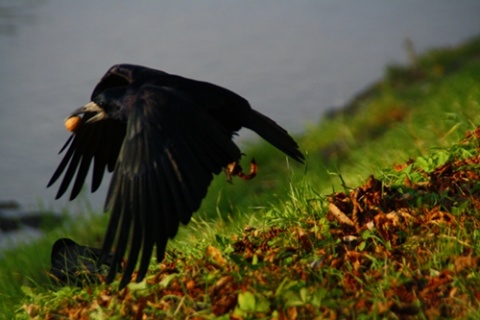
column 72, row 123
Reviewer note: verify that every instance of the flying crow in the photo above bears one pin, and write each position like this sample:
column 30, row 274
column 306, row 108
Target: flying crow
column 164, row 137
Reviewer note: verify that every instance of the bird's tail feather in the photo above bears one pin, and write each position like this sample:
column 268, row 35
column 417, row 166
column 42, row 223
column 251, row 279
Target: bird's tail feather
column 274, row 134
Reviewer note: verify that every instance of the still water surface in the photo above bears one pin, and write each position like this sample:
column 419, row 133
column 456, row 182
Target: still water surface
column 292, row 61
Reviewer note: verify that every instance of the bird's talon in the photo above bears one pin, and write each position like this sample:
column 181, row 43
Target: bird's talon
column 234, row 169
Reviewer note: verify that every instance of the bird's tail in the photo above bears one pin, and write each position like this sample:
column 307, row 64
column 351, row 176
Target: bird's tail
column 274, row 134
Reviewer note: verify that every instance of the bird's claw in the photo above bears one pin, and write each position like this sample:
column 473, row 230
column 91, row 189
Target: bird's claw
column 234, row 169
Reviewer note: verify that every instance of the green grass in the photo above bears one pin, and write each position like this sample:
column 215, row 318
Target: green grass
column 295, row 259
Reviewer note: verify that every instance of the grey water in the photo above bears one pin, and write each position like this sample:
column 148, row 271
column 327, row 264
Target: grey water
column 292, row 60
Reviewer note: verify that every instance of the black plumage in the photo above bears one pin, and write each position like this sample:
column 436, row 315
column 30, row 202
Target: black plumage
column 74, row 264
column 163, row 136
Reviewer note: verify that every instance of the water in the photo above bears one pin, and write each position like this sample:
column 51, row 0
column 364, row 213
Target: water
column 291, row 61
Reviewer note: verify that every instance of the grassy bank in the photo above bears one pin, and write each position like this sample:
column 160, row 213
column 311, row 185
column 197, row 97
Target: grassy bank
column 323, row 240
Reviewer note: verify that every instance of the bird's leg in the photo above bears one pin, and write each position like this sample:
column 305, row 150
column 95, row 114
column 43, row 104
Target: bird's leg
column 234, row 169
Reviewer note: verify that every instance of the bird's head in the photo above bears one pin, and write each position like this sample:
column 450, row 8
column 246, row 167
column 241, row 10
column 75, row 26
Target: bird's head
column 111, row 98
column 105, row 105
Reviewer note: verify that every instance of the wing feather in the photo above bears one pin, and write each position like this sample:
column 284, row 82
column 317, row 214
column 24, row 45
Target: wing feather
column 67, row 178
column 99, row 142
column 81, row 175
column 170, row 153
column 124, row 216
column 150, row 228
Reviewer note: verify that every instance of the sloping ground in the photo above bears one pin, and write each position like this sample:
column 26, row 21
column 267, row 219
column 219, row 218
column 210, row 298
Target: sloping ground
column 405, row 246
column 425, row 228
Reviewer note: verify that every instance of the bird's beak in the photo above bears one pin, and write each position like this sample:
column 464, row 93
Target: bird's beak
column 92, row 108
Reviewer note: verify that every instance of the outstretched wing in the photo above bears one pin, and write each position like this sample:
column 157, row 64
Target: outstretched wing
column 99, row 142
column 169, row 155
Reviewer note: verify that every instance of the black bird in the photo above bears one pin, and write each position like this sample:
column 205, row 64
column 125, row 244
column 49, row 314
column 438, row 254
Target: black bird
column 163, row 136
